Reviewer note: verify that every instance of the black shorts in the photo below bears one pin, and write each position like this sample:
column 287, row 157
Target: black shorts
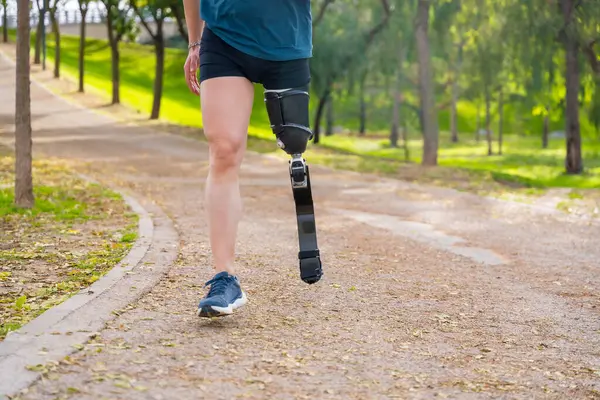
column 217, row 58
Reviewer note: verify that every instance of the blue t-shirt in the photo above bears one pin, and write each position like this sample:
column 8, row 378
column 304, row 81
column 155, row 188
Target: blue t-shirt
column 276, row 30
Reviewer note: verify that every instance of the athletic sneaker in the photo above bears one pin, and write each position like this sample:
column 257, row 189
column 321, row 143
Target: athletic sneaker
column 224, row 296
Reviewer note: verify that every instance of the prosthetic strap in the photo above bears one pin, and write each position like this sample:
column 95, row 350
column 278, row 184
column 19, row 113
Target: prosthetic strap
column 288, row 114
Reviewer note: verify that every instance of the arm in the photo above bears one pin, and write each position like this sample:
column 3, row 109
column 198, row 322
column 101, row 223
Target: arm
column 194, row 24
column 191, row 8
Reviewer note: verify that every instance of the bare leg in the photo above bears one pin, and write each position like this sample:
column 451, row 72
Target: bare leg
column 226, row 109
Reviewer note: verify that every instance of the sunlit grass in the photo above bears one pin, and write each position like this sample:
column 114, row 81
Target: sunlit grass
column 523, row 158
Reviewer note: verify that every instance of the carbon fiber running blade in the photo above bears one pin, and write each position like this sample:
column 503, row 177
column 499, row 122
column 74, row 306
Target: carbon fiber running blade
column 309, row 256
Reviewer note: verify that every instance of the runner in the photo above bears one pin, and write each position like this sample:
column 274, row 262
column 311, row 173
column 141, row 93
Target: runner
column 236, row 43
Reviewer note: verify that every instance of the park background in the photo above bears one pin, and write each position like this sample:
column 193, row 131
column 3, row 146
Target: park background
column 477, row 87
column 494, row 97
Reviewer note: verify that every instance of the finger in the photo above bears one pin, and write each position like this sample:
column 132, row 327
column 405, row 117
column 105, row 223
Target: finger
column 194, row 73
column 191, row 80
column 195, row 82
column 187, row 78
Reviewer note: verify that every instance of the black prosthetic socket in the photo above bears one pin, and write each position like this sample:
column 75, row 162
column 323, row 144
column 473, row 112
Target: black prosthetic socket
column 288, row 113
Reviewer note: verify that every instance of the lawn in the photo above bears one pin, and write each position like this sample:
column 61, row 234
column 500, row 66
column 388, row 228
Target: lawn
column 523, row 160
column 75, row 233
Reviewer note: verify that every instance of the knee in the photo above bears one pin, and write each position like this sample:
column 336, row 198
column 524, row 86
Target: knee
column 225, row 154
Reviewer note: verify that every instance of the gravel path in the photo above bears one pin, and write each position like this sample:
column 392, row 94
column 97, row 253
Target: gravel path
column 427, row 293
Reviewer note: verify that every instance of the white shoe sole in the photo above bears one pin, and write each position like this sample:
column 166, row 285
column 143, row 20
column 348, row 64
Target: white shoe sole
column 229, row 309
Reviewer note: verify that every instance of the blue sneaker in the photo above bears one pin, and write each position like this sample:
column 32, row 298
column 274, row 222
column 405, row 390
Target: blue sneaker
column 224, row 296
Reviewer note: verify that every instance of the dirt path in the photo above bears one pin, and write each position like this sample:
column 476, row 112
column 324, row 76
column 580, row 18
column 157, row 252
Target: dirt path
column 428, row 293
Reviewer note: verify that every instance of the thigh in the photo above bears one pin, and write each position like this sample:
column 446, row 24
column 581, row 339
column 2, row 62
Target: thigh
column 226, row 104
column 226, row 95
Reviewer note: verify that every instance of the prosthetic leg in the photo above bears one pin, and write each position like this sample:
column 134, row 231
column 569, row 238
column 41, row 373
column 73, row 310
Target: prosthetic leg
column 288, row 114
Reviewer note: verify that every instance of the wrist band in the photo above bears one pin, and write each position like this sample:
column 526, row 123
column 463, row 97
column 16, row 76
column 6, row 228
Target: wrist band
column 194, row 44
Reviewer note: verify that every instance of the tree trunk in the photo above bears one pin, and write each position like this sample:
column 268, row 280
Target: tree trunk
column 319, row 115
column 23, row 143
column 114, row 56
column 5, row 25
column 159, row 46
column 82, row 46
column 453, row 113
column 453, row 107
column 329, row 117
column 37, row 53
column 478, row 122
column 363, row 106
column 397, row 99
column 116, row 98
column 56, row 30
column 395, row 115
column 405, row 141
column 573, row 161
column 500, row 119
column 38, row 34
column 545, row 132
column 44, row 39
column 488, row 132
column 430, row 122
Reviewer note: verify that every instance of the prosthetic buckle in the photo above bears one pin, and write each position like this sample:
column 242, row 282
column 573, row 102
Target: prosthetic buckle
column 288, row 114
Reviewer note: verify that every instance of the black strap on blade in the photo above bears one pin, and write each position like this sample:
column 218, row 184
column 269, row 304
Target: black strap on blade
column 309, row 256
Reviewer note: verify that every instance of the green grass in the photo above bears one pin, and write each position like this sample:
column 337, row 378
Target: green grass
column 75, row 233
column 178, row 104
column 524, row 162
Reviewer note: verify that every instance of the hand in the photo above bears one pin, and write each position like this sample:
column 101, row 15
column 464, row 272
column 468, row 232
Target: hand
column 191, row 69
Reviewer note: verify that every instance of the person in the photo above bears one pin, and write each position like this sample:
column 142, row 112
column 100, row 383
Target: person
column 235, row 44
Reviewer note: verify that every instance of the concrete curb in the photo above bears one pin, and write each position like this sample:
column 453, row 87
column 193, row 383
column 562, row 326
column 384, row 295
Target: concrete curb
column 51, row 336
column 59, row 331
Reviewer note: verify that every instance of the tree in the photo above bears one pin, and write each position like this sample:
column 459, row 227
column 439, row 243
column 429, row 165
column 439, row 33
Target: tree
column 23, row 144
column 158, row 10
column 56, row 30
column 338, row 46
column 500, row 119
column 179, row 15
column 429, row 111
column 119, row 25
column 588, row 14
column 329, row 117
column 40, row 27
column 531, row 45
column 397, row 99
column 363, row 104
column 455, row 93
column 573, row 161
column 83, row 9
column 450, row 24
column 4, row 4
column 487, row 57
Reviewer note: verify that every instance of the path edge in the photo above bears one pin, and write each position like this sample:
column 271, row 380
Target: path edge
column 52, row 330
column 24, row 343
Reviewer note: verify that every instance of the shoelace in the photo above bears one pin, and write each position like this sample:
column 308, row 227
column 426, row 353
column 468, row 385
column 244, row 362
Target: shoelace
column 217, row 285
